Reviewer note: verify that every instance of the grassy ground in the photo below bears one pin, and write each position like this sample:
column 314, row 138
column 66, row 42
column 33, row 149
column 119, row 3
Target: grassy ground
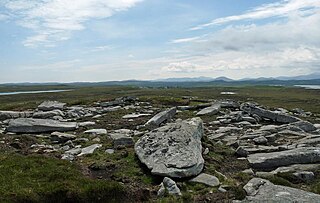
column 120, row 177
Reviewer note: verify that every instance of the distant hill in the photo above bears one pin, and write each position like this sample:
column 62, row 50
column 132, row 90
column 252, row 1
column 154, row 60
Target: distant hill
column 195, row 79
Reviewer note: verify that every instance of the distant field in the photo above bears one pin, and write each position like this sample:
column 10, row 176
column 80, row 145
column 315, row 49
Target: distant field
column 285, row 97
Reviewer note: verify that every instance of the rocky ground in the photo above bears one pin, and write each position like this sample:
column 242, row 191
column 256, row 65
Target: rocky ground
column 205, row 151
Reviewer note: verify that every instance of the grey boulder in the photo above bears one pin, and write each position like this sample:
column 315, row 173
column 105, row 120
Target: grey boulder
column 48, row 114
column 30, row 125
column 173, row 150
column 261, row 190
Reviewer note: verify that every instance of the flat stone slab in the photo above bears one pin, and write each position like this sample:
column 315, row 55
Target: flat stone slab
column 173, row 150
column 51, row 105
column 96, row 131
column 90, row 149
column 273, row 160
column 30, row 125
column 206, row 179
column 211, row 110
column 159, row 118
column 261, row 190
column 135, row 115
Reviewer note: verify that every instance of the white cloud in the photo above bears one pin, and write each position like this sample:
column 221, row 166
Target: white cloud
column 3, row 17
column 176, row 41
column 55, row 20
column 283, row 8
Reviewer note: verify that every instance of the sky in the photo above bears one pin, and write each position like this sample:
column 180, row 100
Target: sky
column 107, row 40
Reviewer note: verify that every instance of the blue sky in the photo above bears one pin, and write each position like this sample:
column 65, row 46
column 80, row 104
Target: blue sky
column 103, row 40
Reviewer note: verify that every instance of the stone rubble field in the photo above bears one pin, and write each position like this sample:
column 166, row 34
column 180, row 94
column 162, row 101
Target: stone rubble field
column 236, row 151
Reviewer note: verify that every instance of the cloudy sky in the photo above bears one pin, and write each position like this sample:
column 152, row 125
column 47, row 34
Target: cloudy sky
column 103, row 40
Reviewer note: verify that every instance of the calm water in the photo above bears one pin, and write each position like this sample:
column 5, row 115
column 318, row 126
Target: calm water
column 32, row 92
column 315, row 87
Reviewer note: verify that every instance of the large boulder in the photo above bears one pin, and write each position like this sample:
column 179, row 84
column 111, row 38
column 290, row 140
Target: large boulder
column 263, row 113
column 173, row 150
column 4, row 115
column 305, row 126
column 48, row 114
column 159, row 118
column 51, row 105
column 273, row 160
column 30, row 125
column 261, row 190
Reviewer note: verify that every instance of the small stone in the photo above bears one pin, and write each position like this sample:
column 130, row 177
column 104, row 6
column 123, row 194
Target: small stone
column 171, row 186
column 110, row 151
column 305, row 176
column 260, row 140
column 242, row 152
column 248, row 171
column 206, row 151
column 206, row 179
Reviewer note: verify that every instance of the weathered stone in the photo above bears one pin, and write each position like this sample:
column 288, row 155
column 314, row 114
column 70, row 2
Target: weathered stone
column 240, row 151
column 155, row 121
column 211, row 110
column 90, row 149
column 121, row 139
column 305, row 126
column 206, row 179
column 171, row 186
column 61, row 137
column 51, row 105
column 305, row 176
column 248, row 171
column 261, row 190
column 30, row 125
column 284, row 158
column 173, row 150
column 274, row 116
column 48, row 114
column 96, row 131
column 4, row 115
column 110, row 151
column 260, row 140
column 162, row 190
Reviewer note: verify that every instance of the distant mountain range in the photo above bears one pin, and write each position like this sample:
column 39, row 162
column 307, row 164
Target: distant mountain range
column 311, row 79
column 312, row 76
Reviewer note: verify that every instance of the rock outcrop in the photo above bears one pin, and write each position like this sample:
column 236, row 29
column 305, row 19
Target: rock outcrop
column 14, row 114
column 173, row 150
column 211, row 110
column 51, row 105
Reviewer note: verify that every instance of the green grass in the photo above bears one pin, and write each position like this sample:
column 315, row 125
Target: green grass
column 43, row 179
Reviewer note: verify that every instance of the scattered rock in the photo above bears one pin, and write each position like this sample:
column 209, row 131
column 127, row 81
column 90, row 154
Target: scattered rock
column 173, row 150
column 110, row 151
column 206, row 179
column 135, row 115
column 260, row 140
column 305, row 126
column 86, row 124
column 29, row 125
column 274, row 116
